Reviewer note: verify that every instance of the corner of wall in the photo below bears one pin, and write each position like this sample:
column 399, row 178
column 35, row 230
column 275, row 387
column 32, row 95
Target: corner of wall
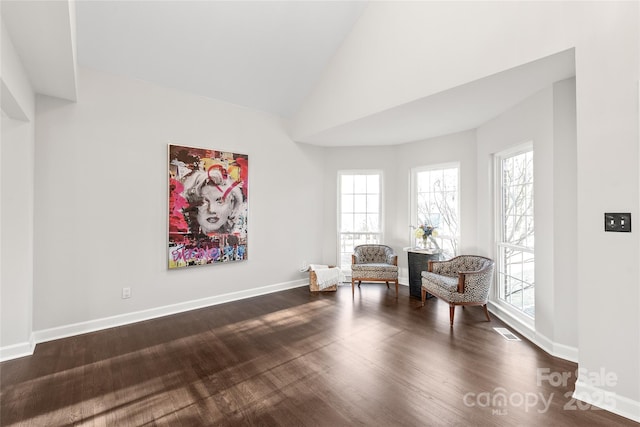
column 603, row 399
column 15, row 351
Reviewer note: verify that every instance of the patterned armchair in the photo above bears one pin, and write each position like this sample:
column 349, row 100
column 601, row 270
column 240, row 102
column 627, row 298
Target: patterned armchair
column 374, row 263
column 463, row 280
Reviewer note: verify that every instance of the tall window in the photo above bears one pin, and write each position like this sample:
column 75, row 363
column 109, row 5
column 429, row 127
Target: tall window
column 515, row 230
column 359, row 207
column 435, row 203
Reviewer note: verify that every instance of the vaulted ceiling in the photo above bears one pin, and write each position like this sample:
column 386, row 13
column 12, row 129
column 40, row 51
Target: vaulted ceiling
column 264, row 55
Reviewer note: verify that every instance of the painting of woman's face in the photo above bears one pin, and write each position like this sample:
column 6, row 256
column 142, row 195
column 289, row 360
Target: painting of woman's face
column 207, row 206
column 215, row 210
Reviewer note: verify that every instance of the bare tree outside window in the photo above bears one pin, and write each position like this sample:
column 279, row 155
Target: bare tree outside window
column 360, row 213
column 437, row 205
column 516, row 280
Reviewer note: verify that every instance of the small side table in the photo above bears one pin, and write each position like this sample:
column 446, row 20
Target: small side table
column 418, row 262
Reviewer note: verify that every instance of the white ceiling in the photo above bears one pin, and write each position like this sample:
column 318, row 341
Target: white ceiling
column 266, row 55
column 42, row 34
column 457, row 109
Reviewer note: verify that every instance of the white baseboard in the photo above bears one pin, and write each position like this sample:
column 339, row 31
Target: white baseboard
column 15, row 351
column 26, row 349
column 555, row 349
column 584, row 392
column 558, row 350
column 565, row 352
column 606, row 400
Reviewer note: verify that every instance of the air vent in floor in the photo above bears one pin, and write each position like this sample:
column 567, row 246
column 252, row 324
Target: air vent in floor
column 507, row 334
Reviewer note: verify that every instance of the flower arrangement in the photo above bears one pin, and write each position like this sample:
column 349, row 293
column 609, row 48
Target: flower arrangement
column 425, row 232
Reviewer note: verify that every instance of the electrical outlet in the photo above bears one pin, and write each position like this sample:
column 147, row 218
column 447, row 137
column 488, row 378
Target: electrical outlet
column 126, row 293
column 620, row 222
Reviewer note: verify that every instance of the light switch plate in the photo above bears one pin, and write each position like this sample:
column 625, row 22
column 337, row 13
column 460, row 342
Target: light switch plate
column 620, row 222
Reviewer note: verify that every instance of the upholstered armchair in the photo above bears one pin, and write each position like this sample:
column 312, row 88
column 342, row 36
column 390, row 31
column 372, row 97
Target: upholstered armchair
column 374, row 263
column 463, row 280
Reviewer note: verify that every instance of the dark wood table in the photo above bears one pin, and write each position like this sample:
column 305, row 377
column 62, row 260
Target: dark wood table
column 418, row 261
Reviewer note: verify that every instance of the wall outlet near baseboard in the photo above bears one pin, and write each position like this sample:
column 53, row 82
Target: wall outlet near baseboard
column 126, row 293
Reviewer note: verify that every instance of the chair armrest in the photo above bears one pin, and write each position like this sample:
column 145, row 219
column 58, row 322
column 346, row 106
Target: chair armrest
column 475, row 279
column 392, row 259
column 353, row 259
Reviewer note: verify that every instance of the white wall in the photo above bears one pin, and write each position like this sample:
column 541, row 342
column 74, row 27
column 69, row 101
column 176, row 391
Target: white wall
column 16, row 205
column 537, row 120
column 16, row 225
column 565, row 211
column 434, row 46
column 101, row 203
column 608, row 181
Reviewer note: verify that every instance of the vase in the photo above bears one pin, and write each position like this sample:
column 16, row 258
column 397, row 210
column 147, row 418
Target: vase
column 425, row 243
column 429, row 243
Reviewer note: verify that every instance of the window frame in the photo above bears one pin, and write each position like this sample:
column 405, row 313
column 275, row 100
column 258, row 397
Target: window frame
column 413, row 199
column 339, row 213
column 499, row 224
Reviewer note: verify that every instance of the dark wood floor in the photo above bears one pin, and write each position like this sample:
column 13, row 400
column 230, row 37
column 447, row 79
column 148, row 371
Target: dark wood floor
column 295, row 359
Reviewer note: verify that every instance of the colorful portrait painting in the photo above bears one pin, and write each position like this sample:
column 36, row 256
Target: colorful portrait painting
column 207, row 206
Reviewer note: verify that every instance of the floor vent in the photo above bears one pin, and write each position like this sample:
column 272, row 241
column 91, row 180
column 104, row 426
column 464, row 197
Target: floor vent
column 507, row 334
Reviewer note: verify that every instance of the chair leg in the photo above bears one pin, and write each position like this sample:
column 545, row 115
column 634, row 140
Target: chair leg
column 353, row 287
column 387, row 284
column 397, row 284
column 486, row 312
column 424, row 295
column 452, row 311
column 359, row 281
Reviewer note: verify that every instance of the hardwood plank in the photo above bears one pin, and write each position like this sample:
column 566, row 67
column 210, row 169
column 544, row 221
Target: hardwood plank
column 294, row 358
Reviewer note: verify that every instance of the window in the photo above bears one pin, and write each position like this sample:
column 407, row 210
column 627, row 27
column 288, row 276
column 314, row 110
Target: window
column 435, row 203
column 515, row 230
column 359, row 212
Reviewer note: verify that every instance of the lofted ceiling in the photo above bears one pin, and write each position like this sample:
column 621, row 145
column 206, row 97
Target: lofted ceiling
column 264, row 55
column 457, row 109
column 42, row 33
